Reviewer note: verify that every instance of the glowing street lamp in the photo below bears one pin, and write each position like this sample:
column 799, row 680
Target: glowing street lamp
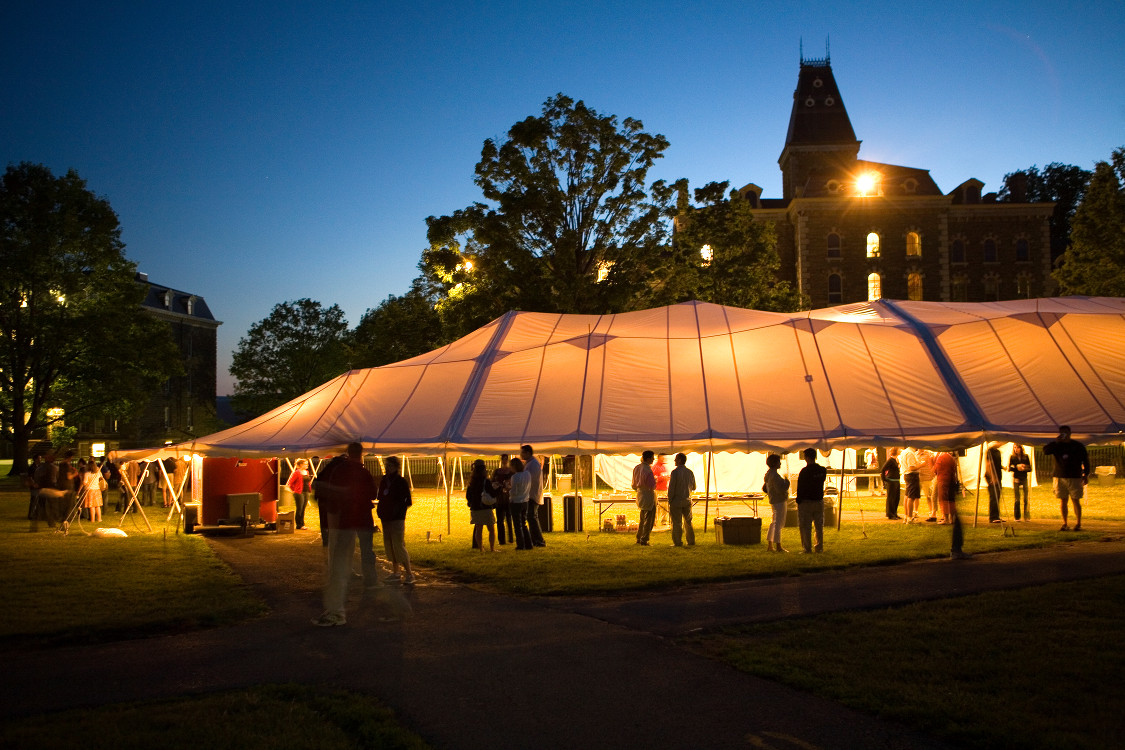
column 866, row 183
column 707, row 254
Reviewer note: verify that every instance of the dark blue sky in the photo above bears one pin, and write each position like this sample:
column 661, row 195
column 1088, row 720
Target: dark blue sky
column 261, row 152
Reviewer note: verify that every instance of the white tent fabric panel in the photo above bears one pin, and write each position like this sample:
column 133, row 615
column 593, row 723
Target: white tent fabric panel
column 699, row 377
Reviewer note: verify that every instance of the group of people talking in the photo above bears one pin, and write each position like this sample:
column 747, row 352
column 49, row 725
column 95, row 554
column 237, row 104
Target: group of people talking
column 506, row 502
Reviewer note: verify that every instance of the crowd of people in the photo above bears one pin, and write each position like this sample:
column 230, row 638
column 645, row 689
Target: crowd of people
column 65, row 487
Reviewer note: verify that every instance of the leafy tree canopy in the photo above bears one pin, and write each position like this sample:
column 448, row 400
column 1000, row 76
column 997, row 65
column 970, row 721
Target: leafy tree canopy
column 76, row 337
column 1062, row 184
column 567, row 224
column 398, row 329
column 1094, row 264
column 723, row 255
column 298, row 347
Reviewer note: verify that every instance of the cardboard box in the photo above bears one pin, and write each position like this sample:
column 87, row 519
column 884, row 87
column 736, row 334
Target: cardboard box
column 738, row 530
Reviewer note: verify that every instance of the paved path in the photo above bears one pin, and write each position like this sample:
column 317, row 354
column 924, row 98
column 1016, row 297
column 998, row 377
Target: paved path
column 550, row 673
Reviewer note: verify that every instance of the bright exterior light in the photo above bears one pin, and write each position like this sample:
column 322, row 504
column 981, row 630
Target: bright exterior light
column 97, row 450
column 603, row 270
column 468, row 265
column 707, row 254
column 865, row 184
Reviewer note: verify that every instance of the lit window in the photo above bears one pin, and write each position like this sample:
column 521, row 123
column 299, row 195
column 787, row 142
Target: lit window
column 1023, row 251
column 833, row 245
column 874, row 286
column 957, row 252
column 707, row 254
column 835, row 289
column 990, row 251
column 914, row 286
column 872, row 245
column 913, row 243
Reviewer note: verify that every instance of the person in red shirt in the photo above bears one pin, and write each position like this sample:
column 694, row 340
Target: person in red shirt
column 945, row 491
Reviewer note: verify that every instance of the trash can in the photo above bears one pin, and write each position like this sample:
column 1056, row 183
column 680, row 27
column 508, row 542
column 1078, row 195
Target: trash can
column 572, row 512
column 546, row 522
column 1107, row 475
column 564, row 482
column 738, row 530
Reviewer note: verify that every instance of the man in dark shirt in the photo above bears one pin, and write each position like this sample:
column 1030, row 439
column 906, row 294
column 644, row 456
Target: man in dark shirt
column 1072, row 468
column 810, row 501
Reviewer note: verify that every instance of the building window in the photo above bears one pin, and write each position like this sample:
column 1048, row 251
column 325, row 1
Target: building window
column 1023, row 251
column 191, row 305
column 835, row 289
column 960, row 290
column 1023, row 286
column 913, row 243
column 914, row 286
column 990, row 251
column 833, row 245
column 872, row 245
column 168, row 300
column 957, row 252
column 992, row 289
column 910, row 186
column 874, row 287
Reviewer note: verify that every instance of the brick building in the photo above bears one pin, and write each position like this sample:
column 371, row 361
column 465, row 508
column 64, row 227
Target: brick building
column 185, row 405
column 851, row 230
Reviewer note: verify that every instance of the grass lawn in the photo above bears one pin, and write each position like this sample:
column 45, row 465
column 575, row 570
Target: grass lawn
column 80, row 589
column 1036, row 668
column 270, row 717
column 595, row 561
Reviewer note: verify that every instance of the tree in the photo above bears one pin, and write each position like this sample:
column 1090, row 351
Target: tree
column 1062, row 184
column 723, row 255
column 568, row 224
column 1094, row 264
column 298, row 347
column 399, row 328
column 76, row 338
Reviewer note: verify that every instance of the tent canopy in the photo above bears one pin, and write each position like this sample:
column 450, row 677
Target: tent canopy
column 704, row 377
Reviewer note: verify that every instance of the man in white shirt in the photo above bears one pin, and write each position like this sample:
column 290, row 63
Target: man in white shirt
column 644, row 482
column 535, row 470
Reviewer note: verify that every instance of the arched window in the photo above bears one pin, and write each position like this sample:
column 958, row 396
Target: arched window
column 913, row 243
column 874, row 286
column 835, row 289
column 914, row 286
column 1023, row 251
column 991, row 289
column 990, row 251
column 957, row 251
column 872, row 245
column 833, row 245
column 960, row 291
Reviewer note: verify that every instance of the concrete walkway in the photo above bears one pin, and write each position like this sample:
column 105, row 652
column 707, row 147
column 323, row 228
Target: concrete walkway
column 474, row 668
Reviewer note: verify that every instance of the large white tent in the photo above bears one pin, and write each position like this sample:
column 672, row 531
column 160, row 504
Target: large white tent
column 704, row 377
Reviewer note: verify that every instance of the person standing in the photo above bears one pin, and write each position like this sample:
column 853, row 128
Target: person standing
column 909, row 462
column 148, row 483
column 681, row 483
column 299, row 484
column 992, row 475
column 890, row 474
column 92, row 485
column 776, row 488
column 480, row 502
column 1072, row 471
column 810, row 502
column 1019, row 463
column 46, row 478
column 394, row 499
column 945, row 491
column 348, row 513
column 501, row 483
column 33, row 487
column 645, row 484
column 925, row 481
column 534, row 470
column 519, row 488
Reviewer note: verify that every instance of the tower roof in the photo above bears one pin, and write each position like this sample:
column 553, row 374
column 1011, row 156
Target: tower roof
column 818, row 117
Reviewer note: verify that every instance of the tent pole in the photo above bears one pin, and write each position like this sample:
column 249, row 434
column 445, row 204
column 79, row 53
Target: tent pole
column 448, row 497
column 980, row 466
column 707, row 490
